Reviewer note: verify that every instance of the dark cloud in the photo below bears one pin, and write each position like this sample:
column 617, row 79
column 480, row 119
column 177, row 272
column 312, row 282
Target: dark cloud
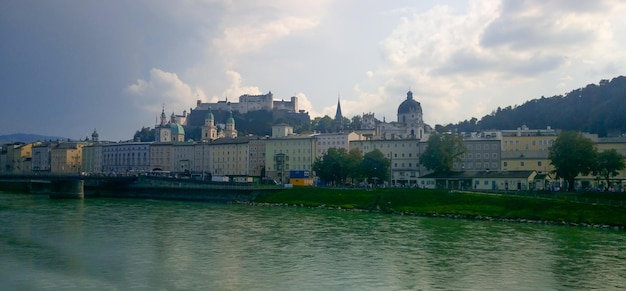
column 65, row 64
column 524, row 25
column 465, row 62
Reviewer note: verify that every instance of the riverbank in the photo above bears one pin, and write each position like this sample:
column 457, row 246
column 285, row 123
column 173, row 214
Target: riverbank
column 439, row 203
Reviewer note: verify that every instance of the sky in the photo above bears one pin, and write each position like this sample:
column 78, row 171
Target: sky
column 69, row 67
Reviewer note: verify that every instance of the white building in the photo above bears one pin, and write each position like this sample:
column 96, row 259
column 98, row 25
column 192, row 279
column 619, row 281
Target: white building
column 125, row 157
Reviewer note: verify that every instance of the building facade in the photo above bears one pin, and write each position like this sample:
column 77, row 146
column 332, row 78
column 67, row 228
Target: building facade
column 66, row 158
column 527, row 149
column 482, row 152
column 403, row 155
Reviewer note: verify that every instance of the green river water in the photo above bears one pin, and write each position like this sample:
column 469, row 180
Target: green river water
column 126, row 244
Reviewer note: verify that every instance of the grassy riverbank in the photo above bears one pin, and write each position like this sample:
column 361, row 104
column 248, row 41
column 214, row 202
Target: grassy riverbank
column 439, row 202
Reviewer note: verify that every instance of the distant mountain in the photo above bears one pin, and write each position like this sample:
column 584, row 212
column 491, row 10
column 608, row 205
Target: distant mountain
column 27, row 138
column 598, row 109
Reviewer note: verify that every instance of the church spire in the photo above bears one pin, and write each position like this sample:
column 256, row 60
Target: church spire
column 338, row 112
column 338, row 121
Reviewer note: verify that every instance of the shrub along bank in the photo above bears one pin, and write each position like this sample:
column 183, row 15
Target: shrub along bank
column 456, row 204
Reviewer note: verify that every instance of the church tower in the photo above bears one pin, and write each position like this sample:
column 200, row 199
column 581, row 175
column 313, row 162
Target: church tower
column 209, row 130
column 230, row 131
column 162, row 132
column 163, row 117
column 338, row 121
column 94, row 136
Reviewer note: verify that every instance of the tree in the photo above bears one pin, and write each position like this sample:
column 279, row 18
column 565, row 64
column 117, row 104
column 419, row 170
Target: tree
column 356, row 123
column 354, row 158
column 442, row 151
column 608, row 164
column 572, row 154
column 323, row 124
column 144, row 135
column 375, row 165
column 332, row 166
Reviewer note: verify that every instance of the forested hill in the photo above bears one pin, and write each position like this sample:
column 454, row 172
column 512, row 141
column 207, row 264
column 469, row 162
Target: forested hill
column 595, row 108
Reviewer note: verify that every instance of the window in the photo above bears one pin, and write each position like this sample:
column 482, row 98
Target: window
column 521, row 163
column 505, row 164
column 539, row 163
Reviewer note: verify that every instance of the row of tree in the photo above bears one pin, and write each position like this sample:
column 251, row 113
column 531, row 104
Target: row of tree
column 572, row 154
column 339, row 166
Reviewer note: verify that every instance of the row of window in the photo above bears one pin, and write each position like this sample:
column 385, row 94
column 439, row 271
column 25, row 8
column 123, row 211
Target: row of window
column 534, row 142
column 522, row 164
column 366, row 147
column 479, row 147
column 479, row 156
column 298, row 151
column 117, row 149
column 331, row 143
column 279, row 167
column 477, row 165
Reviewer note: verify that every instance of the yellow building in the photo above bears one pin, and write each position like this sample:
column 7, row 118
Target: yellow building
column 66, row 158
column 18, row 159
column 289, row 153
column 527, row 149
column 242, row 156
column 161, row 156
column 229, row 157
column 183, row 157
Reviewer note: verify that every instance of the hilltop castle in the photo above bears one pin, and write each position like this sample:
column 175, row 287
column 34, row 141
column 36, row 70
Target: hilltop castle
column 248, row 103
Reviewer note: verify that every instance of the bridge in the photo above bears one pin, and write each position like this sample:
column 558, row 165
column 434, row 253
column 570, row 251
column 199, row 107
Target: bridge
column 61, row 186
column 75, row 186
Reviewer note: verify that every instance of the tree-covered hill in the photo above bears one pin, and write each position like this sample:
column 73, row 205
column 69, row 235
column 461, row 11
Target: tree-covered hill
column 595, row 108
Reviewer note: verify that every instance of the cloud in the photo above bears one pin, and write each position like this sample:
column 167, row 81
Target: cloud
column 250, row 37
column 163, row 89
column 463, row 64
column 252, row 26
column 305, row 104
column 236, row 88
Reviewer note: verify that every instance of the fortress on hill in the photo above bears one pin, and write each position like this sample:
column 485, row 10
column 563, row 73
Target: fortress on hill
column 248, row 103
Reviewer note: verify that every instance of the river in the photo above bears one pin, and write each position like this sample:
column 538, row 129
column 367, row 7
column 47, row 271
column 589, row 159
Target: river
column 126, row 244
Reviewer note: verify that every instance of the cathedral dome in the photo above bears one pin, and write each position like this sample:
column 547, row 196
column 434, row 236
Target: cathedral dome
column 230, row 119
column 409, row 105
column 177, row 129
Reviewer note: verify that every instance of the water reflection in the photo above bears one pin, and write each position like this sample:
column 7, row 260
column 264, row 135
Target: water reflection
column 143, row 244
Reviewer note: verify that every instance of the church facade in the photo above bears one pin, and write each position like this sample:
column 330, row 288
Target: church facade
column 409, row 125
column 171, row 131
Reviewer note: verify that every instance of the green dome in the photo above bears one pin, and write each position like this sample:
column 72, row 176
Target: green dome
column 210, row 116
column 230, row 119
column 177, row 129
